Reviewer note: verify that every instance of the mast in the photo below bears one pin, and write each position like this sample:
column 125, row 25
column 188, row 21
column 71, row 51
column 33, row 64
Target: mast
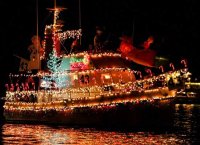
column 56, row 31
column 55, row 13
column 56, row 10
column 56, row 27
column 79, row 3
column 38, row 51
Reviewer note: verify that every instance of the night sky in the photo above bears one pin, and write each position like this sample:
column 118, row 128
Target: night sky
column 174, row 25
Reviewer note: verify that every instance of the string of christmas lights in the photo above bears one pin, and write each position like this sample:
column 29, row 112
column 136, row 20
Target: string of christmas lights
column 74, row 34
column 95, row 90
column 70, row 104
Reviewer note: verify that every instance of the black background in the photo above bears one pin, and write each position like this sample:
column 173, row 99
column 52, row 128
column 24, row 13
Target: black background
column 173, row 24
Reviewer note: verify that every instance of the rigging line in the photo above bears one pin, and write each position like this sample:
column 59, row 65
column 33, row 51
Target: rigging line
column 80, row 13
column 45, row 19
column 133, row 30
column 79, row 3
column 63, row 46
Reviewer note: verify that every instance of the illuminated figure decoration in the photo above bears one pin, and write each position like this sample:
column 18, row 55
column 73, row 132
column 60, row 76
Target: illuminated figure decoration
column 99, row 39
column 35, row 53
column 144, row 57
column 35, row 50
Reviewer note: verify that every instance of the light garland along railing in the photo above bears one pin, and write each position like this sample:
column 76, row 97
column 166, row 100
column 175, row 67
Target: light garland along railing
column 134, row 87
column 70, row 72
column 97, row 55
column 66, row 105
column 163, row 77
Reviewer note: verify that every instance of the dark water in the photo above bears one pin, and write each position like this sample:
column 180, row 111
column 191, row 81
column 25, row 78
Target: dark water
column 185, row 130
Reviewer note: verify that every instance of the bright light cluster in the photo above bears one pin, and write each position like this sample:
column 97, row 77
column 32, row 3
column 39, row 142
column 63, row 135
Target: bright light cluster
column 74, row 34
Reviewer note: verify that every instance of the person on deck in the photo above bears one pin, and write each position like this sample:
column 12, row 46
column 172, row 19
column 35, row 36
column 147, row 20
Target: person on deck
column 99, row 39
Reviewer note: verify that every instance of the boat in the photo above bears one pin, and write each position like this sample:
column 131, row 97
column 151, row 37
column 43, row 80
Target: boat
column 189, row 95
column 88, row 88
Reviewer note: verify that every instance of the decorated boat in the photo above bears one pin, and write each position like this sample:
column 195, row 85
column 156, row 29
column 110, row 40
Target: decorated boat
column 94, row 87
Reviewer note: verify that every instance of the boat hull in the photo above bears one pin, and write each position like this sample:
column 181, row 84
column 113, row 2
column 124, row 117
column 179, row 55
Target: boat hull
column 157, row 113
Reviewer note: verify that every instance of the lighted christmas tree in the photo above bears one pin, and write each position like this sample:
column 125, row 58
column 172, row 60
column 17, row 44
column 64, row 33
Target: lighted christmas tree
column 55, row 80
column 54, row 62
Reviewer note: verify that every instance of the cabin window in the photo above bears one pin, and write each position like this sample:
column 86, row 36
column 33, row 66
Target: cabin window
column 106, row 76
column 74, row 79
column 84, row 79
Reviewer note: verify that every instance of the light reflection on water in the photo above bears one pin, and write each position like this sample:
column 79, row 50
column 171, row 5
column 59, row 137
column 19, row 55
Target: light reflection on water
column 186, row 122
column 30, row 134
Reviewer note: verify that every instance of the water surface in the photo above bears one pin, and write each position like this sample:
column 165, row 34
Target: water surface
column 185, row 130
